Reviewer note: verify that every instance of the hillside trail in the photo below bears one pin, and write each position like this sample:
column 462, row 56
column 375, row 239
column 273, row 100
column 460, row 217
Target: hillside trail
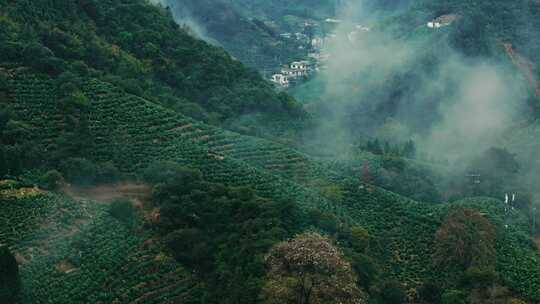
column 525, row 66
column 138, row 193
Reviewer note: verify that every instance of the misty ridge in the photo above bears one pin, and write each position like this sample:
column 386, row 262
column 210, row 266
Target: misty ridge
column 462, row 111
column 397, row 85
column 184, row 18
column 413, row 84
column 453, row 106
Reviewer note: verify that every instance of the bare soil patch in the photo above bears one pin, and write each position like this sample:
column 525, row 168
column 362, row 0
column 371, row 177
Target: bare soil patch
column 525, row 66
column 65, row 266
column 137, row 192
column 20, row 258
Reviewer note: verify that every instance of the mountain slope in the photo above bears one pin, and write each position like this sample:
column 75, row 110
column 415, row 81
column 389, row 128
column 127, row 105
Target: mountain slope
column 402, row 229
column 141, row 49
column 74, row 251
column 54, row 110
column 245, row 37
column 133, row 132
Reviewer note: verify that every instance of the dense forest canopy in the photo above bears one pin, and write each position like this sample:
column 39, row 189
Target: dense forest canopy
column 139, row 48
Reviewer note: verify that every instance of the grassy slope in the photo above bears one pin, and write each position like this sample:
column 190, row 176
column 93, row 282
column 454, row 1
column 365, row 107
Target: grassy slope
column 134, row 132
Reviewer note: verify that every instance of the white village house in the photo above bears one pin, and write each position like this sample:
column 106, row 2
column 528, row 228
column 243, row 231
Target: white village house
column 293, row 73
column 443, row 20
column 330, row 20
column 319, row 56
column 432, row 24
column 299, row 65
column 280, row 79
column 317, row 42
column 286, row 35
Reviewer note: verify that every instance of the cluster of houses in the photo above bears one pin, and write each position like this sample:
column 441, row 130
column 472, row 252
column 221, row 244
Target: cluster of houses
column 301, row 37
column 291, row 73
column 358, row 30
column 443, row 20
column 297, row 71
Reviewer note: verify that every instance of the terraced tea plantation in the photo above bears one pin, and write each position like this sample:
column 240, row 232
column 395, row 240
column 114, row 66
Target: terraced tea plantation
column 404, row 233
column 133, row 133
column 75, row 252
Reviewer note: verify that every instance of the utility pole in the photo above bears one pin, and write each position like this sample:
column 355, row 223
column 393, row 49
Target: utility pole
column 534, row 221
column 475, row 181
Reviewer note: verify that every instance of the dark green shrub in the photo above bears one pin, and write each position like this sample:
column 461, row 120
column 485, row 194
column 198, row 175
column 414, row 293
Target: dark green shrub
column 79, row 171
column 391, row 292
column 394, row 163
column 10, row 284
column 122, row 210
column 3, row 83
column 3, row 164
column 323, row 220
column 4, row 118
column 52, row 180
column 453, row 297
column 480, row 277
column 170, row 178
column 108, row 173
column 165, row 171
column 365, row 269
column 359, row 239
column 80, row 68
column 430, row 292
column 191, row 109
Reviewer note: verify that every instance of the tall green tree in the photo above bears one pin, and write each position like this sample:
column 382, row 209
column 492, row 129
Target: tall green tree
column 465, row 238
column 308, row 269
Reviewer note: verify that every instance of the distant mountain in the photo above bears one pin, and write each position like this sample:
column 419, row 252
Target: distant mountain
column 250, row 30
column 275, row 10
column 248, row 37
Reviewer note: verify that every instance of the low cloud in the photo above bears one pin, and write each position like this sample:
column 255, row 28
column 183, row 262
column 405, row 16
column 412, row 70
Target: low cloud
column 452, row 106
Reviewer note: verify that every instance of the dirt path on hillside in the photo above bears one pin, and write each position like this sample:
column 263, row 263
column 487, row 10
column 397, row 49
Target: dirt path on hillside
column 107, row 193
column 525, row 66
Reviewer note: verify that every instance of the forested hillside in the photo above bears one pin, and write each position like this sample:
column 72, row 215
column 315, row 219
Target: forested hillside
column 485, row 24
column 246, row 36
column 499, row 30
column 139, row 48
